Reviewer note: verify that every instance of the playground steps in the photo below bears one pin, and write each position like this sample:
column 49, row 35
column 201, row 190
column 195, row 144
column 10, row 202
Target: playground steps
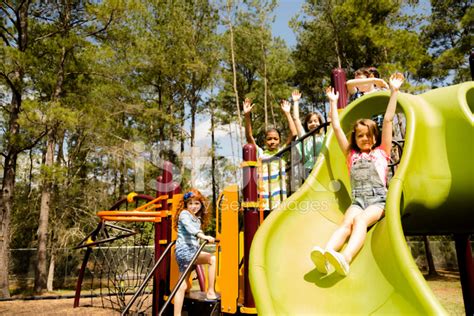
column 195, row 304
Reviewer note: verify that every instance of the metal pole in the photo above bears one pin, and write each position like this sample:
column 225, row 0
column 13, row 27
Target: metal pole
column 182, row 277
column 338, row 82
column 251, row 217
column 93, row 237
column 165, row 186
column 147, row 278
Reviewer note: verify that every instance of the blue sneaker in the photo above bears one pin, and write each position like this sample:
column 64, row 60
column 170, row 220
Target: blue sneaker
column 338, row 261
column 317, row 255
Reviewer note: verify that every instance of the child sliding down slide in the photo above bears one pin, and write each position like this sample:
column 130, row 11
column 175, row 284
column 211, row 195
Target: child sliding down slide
column 368, row 168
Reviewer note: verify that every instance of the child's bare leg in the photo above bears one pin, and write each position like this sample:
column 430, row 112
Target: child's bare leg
column 340, row 235
column 211, row 293
column 179, row 298
column 359, row 230
column 207, row 258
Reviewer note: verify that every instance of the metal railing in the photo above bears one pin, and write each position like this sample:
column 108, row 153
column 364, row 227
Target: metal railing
column 183, row 277
column 147, row 278
column 296, row 162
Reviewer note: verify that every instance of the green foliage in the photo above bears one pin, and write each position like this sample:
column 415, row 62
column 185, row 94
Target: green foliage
column 254, row 47
column 449, row 34
column 353, row 34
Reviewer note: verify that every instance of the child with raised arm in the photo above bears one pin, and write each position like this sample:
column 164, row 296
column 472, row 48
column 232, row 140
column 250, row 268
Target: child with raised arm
column 272, row 175
column 366, row 80
column 191, row 214
column 368, row 167
column 311, row 145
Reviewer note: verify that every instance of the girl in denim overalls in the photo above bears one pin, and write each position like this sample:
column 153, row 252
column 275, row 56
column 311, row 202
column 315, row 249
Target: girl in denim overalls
column 368, row 171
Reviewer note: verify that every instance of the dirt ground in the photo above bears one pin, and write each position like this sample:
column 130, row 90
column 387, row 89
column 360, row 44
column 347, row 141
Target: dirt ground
column 446, row 287
column 50, row 307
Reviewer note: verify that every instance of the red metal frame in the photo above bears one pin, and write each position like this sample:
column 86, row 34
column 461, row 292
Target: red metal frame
column 161, row 279
column 338, row 82
column 466, row 270
column 251, row 214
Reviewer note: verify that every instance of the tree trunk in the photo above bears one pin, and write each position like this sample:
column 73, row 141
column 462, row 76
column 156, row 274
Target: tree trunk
column 336, row 36
column 234, row 71
column 193, row 122
column 273, row 115
column 123, row 172
column 265, row 81
column 213, row 160
column 41, row 264
column 429, row 258
column 8, row 186
column 7, row 193
column 15, row 83
column 194, row 150
column 182, row 142
column 49, row 283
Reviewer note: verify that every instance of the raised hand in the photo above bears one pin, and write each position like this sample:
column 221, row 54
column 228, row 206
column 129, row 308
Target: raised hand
column 247, row 105
column 332, row 96
column 285, row 106
column 396, row 81
column 296, row 95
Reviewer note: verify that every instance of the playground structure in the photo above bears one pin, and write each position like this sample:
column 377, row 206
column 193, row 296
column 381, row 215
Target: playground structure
column 271, row 273
column 430, row 193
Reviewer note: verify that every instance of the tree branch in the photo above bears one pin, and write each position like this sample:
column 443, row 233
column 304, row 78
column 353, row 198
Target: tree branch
column 105, row 26
column 9, row 82
column 32, row 144
column 6, row 12
column 45, row 36
column 5, row 38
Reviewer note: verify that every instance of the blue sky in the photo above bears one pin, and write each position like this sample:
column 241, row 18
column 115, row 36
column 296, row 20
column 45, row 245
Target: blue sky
column 285, row 11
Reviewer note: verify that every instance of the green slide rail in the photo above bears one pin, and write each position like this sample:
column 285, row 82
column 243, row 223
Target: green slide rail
column 430, row 193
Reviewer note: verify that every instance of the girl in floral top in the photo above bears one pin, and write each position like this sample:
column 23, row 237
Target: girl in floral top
column 311, row 146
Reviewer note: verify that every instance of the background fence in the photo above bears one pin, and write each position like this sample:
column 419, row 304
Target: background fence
column 68, row 262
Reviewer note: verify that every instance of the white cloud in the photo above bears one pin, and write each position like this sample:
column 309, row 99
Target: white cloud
column 228, row 147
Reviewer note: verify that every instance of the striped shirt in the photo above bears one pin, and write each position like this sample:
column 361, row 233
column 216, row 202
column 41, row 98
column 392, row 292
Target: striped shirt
column 273, row 184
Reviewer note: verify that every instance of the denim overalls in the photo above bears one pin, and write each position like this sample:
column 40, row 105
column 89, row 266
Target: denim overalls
column 367, row 187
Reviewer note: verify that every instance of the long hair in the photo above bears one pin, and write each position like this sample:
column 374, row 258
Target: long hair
column 373, row 132
column 308, row 117
column 203, row 213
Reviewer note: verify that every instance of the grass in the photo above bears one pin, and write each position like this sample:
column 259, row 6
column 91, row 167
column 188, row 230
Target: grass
column 447, row 288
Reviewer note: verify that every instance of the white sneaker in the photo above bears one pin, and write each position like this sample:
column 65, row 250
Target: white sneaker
column 338, row 261
column 317, row 255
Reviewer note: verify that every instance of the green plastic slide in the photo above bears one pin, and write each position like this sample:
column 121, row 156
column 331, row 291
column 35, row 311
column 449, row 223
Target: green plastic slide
column 431, row 192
